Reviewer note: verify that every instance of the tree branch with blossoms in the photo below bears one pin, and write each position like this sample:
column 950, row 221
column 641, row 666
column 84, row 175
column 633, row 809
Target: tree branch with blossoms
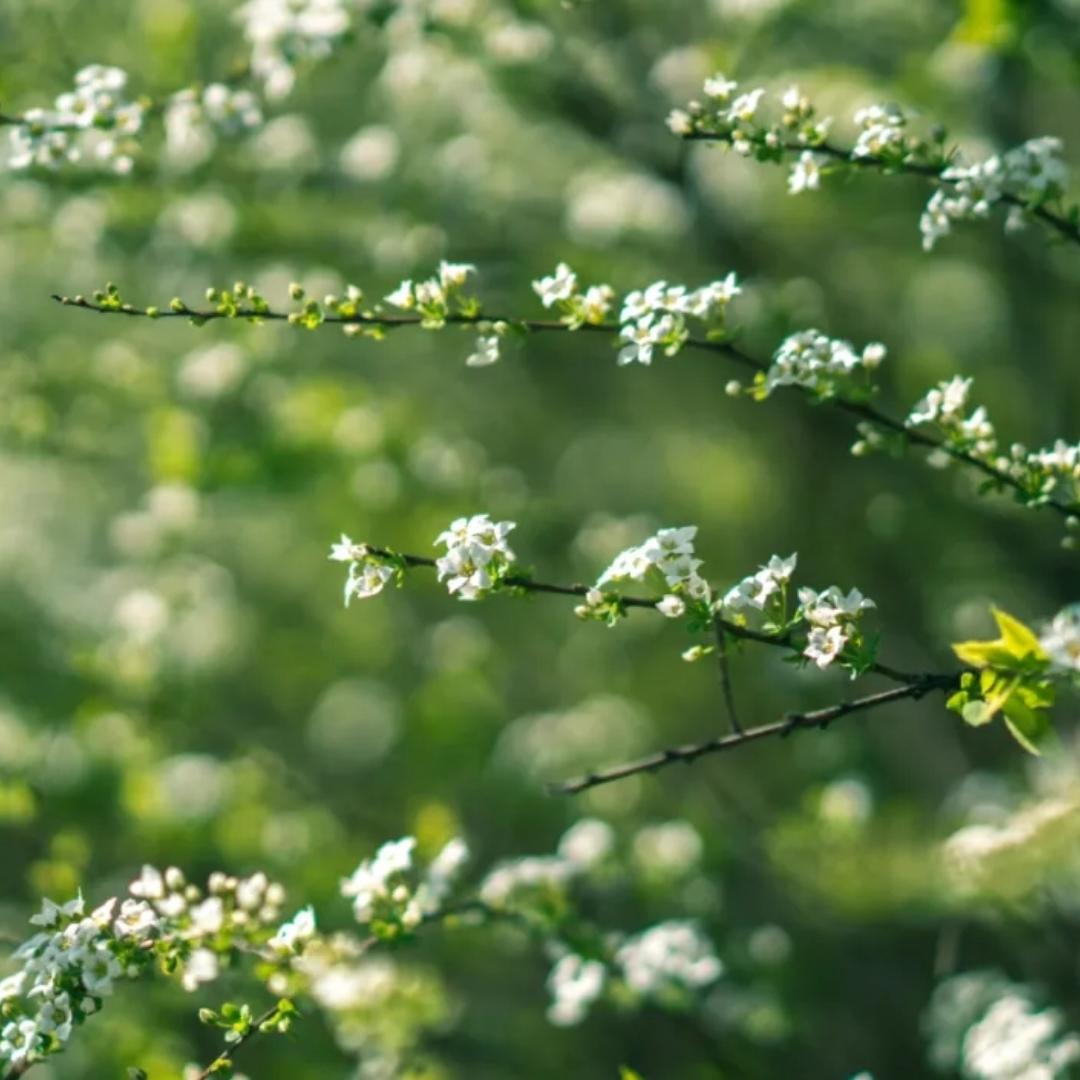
column 657, row 320
column 1015, row 675
column 73, row 965
column 1028, row 179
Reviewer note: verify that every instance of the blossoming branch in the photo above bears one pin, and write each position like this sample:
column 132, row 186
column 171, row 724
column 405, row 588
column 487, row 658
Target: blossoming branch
column 658, row 320
column 1029, row 180
column 1015, row 675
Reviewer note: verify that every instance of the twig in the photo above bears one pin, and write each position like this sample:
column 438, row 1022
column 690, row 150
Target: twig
column 227, row 1054
column 819, row 718
column 722, row 625
column 725, row 676
column 862, row 410
column 1066, row 227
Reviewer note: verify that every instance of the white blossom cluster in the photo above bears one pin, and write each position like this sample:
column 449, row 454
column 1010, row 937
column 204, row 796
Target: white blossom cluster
column 650, row 319
column 1060, row 640
column 825, row 366
column 477, row 555
column 671, row 956
column 73, row 963
column 561, row 291
column 94, row 122
column 1027, row 176
column 193, row 118
column 732, row 116
column 368, row 574
column 574, row 984
column 386, row 892
column 284, row 33
column 833, row 618
column 442, row 297
column 1040, row 473
column 670, row 555
column 985, row 1027
column 765, row 590
column 1032, row 173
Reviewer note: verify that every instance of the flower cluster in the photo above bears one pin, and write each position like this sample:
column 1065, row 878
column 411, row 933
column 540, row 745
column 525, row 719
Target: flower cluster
column 477, row 555
column 732, row 116
column 650, row 319
column 283, row 33
column 442, row 297
column 560, row 291
column 1029, row 175
column 944, row 406
column 764, row 591
column 826, row 367
column 833, row 618
column 194, row 117
column 668, row 960
column 368, row 574
column 386, row 895
column 95, row 122
column 667, row 556
column 67, row 969
column 1040, row 475
column 985, row 1027
column 656, row 317
column 73, row 963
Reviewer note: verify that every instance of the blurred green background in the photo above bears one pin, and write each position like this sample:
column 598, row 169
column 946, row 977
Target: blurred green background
column 179, row 682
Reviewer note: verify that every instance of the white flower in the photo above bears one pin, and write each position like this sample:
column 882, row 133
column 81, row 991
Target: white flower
column 366, row 579
column 201, row 967
column 292, row 934
column 574, row 983
column 402, row 297
column 559, row 286
column 805, row 174
column 824, row 645
column 346, row 550
column 454, row 275
column 1061, row 639
column 51, row 913
column 720, row 88
column 587, row 842
column 486, row 351
column 673, row 607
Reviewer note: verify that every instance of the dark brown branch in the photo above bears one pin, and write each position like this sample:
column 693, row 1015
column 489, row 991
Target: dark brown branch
column 862, row 410
column 819, row 718
column 1065, row 227
column 721, row 625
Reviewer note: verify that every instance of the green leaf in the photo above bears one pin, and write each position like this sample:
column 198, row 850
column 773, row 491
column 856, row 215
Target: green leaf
column 976, row 713
column 626, row 1073
column 1028, row 727
column 1019, row 639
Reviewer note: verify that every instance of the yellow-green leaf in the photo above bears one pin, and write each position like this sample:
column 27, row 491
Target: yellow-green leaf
column 1018, row 638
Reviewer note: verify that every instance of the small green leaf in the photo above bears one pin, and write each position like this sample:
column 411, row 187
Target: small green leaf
column 1028, row 728
column 976, row 713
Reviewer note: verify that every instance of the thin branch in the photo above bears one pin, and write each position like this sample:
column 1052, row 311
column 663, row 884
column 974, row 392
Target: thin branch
column 227, row 1054
column 732, row 629
column 819, row 718
column 862, row 410
column 1066, row 227
column 725, row 676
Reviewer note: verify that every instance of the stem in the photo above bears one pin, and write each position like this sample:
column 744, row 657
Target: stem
column 1065, row 227
column 383, row 321
column 226, row 1055
column 721, row 625
column 819, row 718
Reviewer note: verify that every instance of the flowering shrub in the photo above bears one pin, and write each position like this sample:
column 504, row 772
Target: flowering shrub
column 578, row 909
